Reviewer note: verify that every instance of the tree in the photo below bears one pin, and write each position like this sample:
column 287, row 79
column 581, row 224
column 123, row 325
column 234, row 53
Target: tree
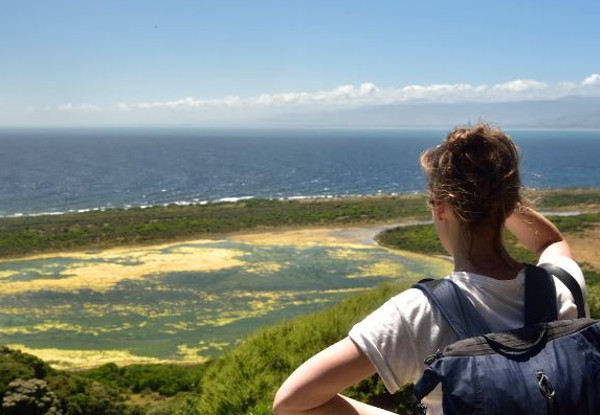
column 30, row 397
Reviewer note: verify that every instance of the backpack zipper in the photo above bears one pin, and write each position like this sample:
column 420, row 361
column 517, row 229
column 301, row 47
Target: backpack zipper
column 433, row 357
column 546, row 389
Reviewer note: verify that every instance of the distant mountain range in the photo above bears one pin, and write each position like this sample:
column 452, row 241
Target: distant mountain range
column 567, row 112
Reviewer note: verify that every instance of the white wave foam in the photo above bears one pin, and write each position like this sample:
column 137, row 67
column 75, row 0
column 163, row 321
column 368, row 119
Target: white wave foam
column 233, row 199
column 196, row 202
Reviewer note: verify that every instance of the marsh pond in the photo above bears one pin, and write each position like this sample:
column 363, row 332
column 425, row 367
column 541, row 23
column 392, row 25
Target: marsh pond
column 187, row 301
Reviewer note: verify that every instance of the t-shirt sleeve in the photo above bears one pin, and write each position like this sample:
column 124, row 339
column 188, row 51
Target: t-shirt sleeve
column 569, row 265
column 388, row 337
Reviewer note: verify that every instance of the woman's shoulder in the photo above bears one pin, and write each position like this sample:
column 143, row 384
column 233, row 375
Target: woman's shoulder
column 566, row 263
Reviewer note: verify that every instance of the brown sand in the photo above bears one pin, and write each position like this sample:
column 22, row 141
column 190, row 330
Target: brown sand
column 586, row 246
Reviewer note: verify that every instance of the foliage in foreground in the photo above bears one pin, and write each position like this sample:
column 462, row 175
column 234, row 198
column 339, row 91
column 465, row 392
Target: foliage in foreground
column 30, row 386
column 244, row 380
column 164, row 379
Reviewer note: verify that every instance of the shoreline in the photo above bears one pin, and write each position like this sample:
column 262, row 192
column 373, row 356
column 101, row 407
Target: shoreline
column 221, row 201
column 35, row 236
column 359, row 233
column 241, row 199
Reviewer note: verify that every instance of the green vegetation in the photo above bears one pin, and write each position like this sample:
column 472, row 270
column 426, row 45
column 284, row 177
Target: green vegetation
column 572, row 199
column 116, row 227
column 576, row 224
column 165, row 380
column 423, row 238
column 417, row 238
column 242, row 381
column 30, row 386
column 245, row 378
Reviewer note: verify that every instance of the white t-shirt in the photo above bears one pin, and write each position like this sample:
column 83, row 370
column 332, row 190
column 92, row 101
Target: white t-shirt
column 399, row 335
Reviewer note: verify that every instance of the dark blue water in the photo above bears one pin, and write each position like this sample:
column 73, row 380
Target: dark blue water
column 75, row 169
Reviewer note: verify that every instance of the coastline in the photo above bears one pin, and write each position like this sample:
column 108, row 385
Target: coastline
column 36, row 236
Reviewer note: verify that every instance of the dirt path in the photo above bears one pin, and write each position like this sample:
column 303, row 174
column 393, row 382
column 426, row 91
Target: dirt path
column 586, row 246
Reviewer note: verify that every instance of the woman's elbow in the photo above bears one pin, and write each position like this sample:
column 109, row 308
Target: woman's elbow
column 283, row 404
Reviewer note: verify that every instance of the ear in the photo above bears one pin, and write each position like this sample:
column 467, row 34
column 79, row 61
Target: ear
column 440, row 210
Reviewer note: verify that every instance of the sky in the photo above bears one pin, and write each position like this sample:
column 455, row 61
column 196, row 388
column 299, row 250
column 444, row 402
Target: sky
column 115, row 62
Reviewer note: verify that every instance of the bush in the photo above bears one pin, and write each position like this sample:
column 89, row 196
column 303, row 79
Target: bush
column 244, row 380
column 30, row 397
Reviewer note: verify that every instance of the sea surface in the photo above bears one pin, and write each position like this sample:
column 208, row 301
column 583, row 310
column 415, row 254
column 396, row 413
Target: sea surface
column 61, row 170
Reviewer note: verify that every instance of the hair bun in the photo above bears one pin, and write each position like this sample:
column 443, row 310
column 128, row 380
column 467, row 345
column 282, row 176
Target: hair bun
column 476, row 170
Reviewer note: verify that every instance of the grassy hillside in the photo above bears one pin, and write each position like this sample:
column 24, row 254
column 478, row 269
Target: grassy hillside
column 244, row 381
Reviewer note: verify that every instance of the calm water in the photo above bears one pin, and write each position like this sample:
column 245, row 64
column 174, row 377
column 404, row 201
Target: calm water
column 62, row 170
column 184, row 302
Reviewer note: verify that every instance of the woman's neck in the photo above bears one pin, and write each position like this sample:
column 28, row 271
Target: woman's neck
column 485, row 258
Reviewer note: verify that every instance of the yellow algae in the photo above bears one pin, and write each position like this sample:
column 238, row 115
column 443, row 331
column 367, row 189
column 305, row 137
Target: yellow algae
column 179, row 326
column 34, row 312
column 102, row 276
column 147, row 311
column 387, row 269
column 394, row 269
column 64, row 359
column 192, row 353
column 444, row 263
column 42, row 327
column 302, row 237
column 258, row 304
column 8, row 274
column 116, row 252
column 265, row 303
column 167, row 331
column 188, row 248
column 263, row 267
column 345, row 290
column 350, row 254
column 76, row 328
column 218, row 345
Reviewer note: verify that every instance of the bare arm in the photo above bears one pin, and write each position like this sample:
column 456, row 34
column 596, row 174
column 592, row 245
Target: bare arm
column 313, row 389
column 537, row 233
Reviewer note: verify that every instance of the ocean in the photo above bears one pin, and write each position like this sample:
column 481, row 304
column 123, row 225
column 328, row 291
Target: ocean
column 63, row 170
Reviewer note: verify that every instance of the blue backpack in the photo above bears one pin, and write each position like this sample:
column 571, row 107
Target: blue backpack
column 547, row 367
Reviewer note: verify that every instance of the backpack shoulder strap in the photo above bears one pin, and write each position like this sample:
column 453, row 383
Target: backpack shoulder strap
column 540, row 296
column 571, row 283
column 456, row 308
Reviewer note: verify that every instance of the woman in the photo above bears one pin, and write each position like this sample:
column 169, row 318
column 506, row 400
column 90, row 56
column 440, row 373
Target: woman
column 473, row 179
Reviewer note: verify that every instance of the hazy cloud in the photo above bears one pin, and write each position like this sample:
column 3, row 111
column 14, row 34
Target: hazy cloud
column 521, row 85
column 369, row 93
column 592, row 80
column 78, row 108
column 366, row 94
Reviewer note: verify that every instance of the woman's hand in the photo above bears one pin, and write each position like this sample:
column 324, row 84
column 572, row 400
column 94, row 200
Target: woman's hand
column 314, row 387
column 537, row 233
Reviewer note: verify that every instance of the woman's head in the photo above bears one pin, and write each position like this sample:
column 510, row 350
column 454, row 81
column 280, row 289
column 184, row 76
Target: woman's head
column 475, row 171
